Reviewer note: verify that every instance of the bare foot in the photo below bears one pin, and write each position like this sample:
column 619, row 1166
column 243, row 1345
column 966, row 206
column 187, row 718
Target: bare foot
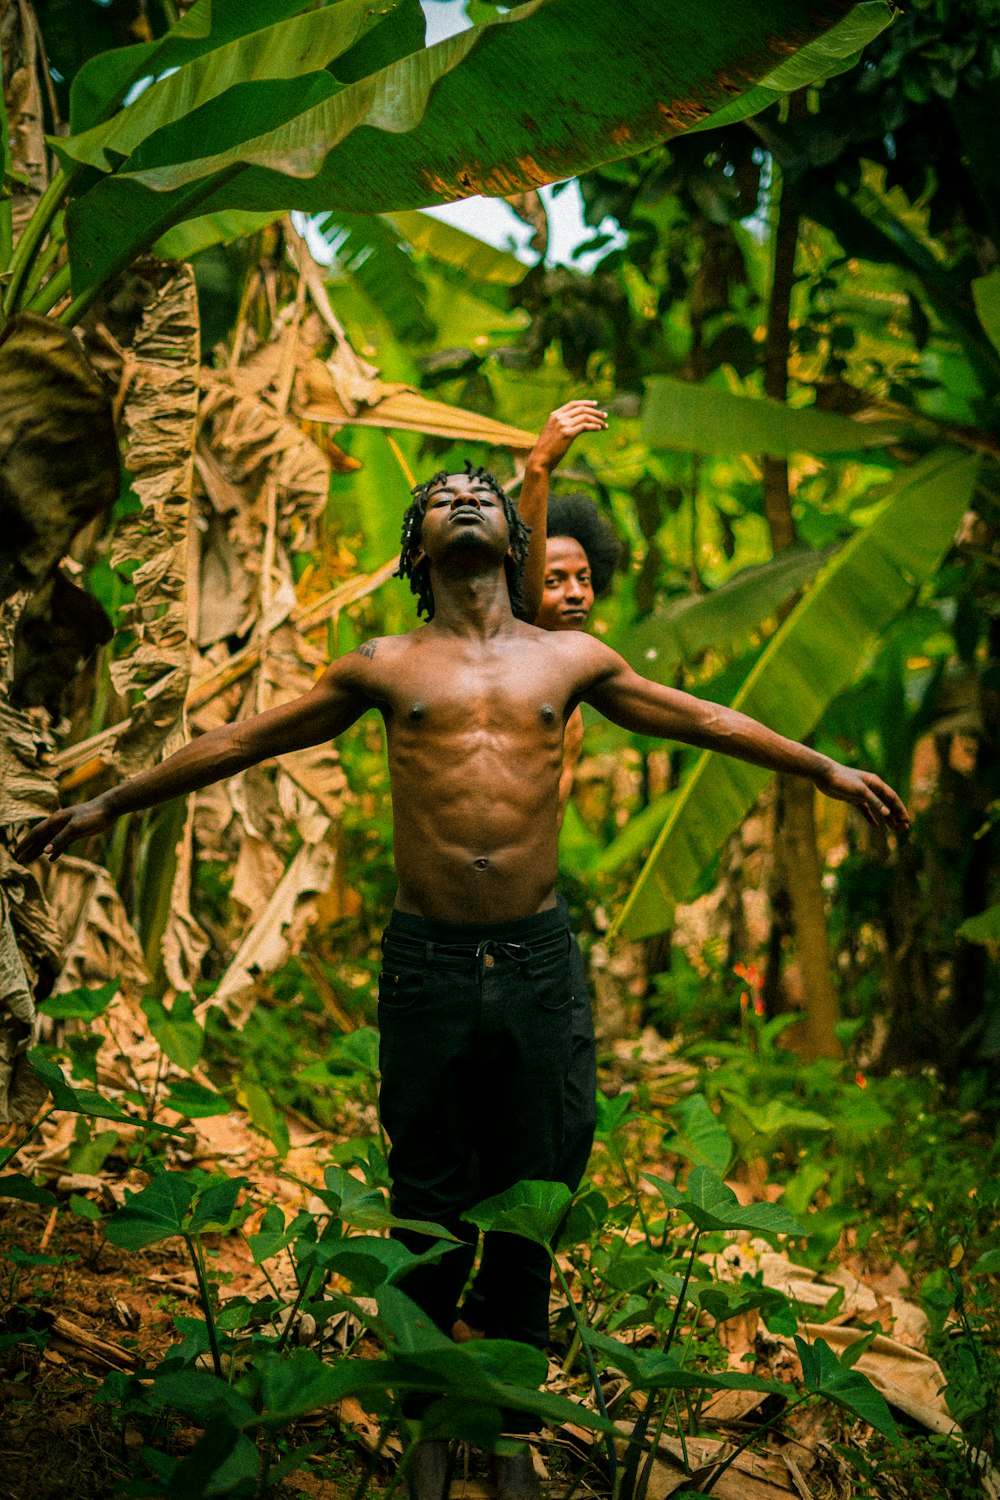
column 462, row 1332
column 429, row 1470
column 516, row 1477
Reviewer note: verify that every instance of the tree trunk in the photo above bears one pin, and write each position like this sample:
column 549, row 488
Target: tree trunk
column 795, row 826
column 22, row 72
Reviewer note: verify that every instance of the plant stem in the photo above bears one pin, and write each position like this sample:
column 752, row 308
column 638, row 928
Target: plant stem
column 375, row 1455
column 682, row 1293
column 602, row 1405
column 44, row 260
column 633, row 1189
column 647, row 1468
column 32, row 235
column 303, row 1287
column 193, row 1243
column 634, row 1450
column 52, row 292
column 9, row 1152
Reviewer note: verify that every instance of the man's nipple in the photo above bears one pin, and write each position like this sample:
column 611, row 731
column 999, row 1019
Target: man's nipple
column 417, row 712
column 548, row 713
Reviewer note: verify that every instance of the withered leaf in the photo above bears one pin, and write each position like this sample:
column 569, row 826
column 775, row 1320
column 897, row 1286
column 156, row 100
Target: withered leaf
column 58, row 451
column 58, row 629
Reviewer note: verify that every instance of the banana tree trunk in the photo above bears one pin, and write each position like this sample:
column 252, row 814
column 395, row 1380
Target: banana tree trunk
column 23, row 64
column 797, row 865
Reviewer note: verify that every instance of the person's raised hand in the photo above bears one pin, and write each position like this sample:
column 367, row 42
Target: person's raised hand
column 562, row 426
column 863, row 789
column 55, row 833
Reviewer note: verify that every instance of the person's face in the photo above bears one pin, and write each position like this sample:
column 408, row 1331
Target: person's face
column 569, row 593
column 463, row 511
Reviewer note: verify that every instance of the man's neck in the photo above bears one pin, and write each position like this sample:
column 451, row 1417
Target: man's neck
column 476, row 605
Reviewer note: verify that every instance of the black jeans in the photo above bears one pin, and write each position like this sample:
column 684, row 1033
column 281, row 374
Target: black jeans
column 476, row 1026
column 579, row 1119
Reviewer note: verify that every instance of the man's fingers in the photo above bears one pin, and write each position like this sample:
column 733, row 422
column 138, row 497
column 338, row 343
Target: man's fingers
column 31, row 846
column 891, row 805
column 51, row 837
column 584, row 421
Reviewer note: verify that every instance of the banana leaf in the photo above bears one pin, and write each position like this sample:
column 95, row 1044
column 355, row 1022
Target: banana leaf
column 444, row 243
column 200, row 234
column 833, row 53
column 986, row 295
column 368, row 249
column 705, row 419
column 720, row 620
column 816, row 653
column 289, row 49
column 104, row 80
column 448, row 121
column 462, row 252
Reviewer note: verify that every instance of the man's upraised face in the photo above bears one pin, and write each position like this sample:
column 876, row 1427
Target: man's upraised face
column 463, row 511
column 569, row 593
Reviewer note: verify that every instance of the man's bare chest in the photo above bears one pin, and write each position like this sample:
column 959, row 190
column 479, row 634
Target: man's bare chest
column 454, row 698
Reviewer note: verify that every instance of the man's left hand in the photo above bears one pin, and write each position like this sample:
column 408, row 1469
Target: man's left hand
column 878, row 802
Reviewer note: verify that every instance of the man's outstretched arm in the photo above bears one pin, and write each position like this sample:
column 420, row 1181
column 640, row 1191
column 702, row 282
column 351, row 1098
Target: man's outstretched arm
column 337, row 700
column 645, row 707
column 564, row 424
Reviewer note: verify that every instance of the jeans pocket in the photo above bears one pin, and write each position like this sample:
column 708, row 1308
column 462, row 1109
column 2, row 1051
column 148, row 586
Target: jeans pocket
column 552, row 981
column 398, row 987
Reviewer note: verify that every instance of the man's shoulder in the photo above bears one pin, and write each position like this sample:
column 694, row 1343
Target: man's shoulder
column 372, row 662
column 382, row 648
column 575, row 645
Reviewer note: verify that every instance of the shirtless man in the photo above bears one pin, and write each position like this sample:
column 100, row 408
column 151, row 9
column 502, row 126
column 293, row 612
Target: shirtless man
column 476, row 990
column 581, row 553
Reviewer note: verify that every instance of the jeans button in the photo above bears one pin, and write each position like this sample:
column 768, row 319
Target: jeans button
column 490, row 960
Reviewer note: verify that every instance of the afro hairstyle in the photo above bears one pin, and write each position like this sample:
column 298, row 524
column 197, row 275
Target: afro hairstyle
column 577, row 516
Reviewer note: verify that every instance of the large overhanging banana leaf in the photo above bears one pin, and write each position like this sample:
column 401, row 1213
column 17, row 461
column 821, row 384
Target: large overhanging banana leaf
column 704, row 419
column 533, row 96
column 720, row 620
column 813, row 656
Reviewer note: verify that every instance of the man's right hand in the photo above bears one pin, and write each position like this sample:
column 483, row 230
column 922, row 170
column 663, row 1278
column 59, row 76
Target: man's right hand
column 55, row 833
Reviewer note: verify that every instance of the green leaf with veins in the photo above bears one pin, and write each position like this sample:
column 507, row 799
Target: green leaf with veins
column 826, row 1375
column 710, row 1204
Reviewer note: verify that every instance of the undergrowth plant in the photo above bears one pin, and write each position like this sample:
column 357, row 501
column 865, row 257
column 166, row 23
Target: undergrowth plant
column 640, row 1266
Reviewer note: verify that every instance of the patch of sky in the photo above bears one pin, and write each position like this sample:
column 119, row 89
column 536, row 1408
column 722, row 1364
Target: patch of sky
column 142, row 84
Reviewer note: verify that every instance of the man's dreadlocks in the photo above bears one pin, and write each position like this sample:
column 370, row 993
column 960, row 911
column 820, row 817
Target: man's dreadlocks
column 413, row 520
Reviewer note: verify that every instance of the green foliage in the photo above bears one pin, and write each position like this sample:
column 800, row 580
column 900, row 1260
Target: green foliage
column 826, row 1375
column 176, row 1030
column 711, row 1205
column 816, row 652
column 704, row 419
column 176, row 1203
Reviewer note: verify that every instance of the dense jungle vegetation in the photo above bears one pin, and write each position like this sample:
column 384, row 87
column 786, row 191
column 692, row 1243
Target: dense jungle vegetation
column 780, row 1276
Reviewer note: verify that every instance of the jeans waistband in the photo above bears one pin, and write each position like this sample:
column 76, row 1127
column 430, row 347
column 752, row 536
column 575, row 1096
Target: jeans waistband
column 463, row 942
